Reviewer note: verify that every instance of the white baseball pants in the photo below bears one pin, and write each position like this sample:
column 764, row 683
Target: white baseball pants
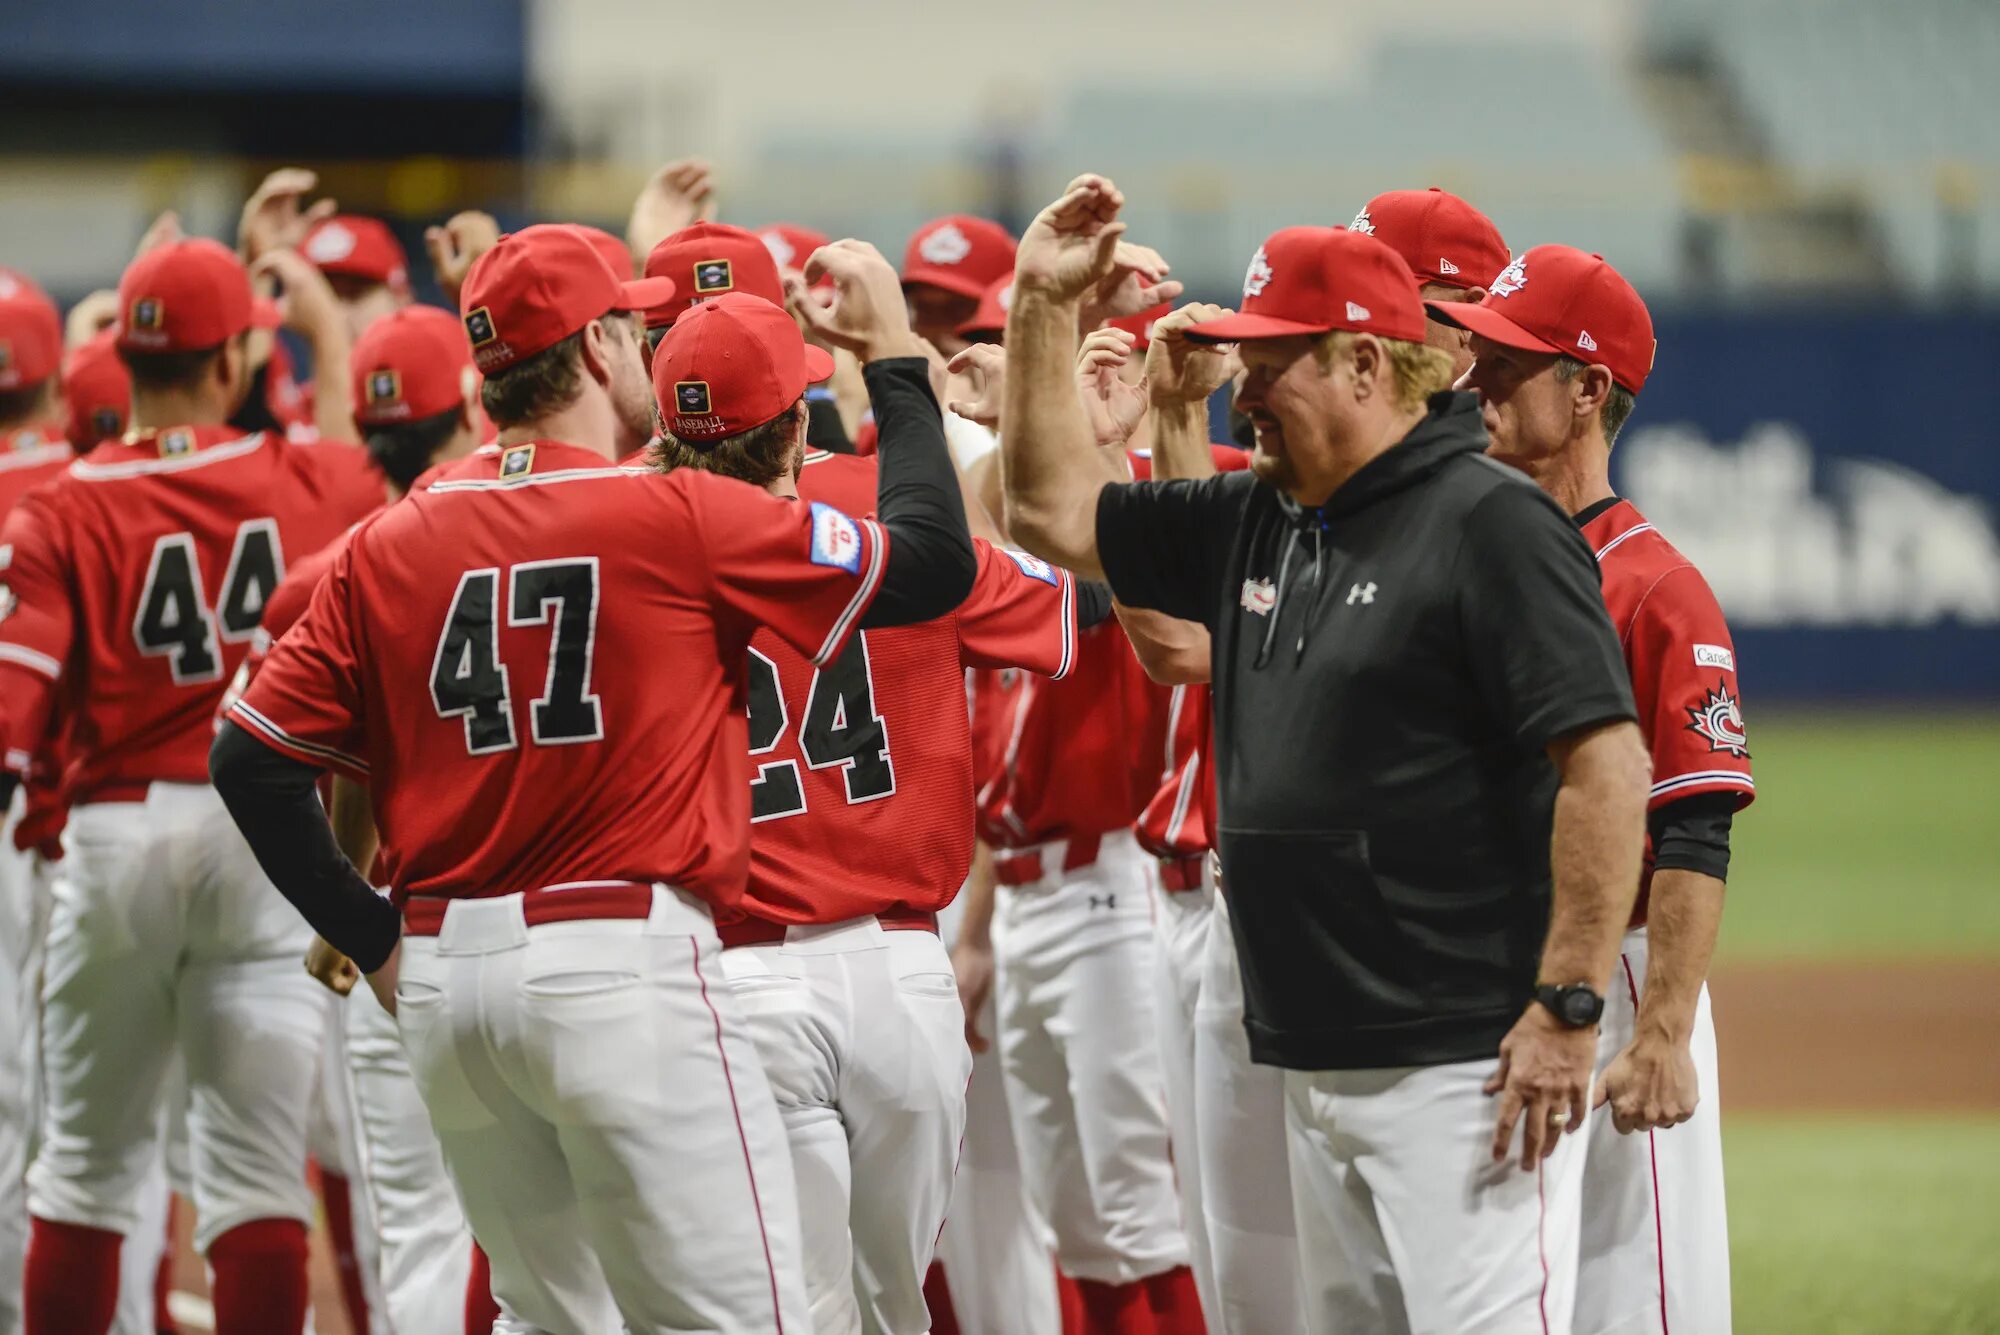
column 1183, row 919
column 863, row 1040
column 1074, row 953
column 165, row 935
column 1245, row 1174
column 24, row 898
column 425, row 1248
column 1655, row 1221
column 606, row 1121
column 1407, row 1226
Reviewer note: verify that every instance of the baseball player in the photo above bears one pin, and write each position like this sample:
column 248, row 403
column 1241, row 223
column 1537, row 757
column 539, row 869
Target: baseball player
column 845, row 983
column 602, row 1113
column 1564, row 346
column 706, row 260
column 365, row 265
column 136, row 581
column 415, row 395
column 97, row 391
column 948, row 264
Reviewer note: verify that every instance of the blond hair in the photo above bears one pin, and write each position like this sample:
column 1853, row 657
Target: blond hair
column 1420, row 370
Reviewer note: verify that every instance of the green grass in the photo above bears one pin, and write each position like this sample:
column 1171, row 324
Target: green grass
column 1872, row 835
column 1879, row 1226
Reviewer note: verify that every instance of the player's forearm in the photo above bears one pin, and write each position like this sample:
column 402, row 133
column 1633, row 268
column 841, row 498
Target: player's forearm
column 975, row 921
column 1050, row 469
column 352, row 816
column 1173, row 652
column 931, row 562
column 1594, row 853
column 274, row 801
column 1683, row 918
column 1180, row 441
column 26, row 697
column 333, row 388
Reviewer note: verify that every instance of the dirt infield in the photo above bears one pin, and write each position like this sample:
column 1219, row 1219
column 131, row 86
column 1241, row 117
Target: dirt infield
column 1859, row 1036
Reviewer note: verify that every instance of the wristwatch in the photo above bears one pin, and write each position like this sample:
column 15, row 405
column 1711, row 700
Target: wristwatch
column 1577, row 1006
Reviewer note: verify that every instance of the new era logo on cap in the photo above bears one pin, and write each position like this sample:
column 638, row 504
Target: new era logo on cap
column 1356, row 311
column 1446, row 266
column 1585, row 341
column 384, row 386
column 691, row 397
column 713, row 276
column 479, row 327
column 947, row 245
column 148, row 313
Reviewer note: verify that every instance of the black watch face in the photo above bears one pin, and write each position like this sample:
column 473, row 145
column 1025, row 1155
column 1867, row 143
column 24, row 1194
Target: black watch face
column 1580, row 1006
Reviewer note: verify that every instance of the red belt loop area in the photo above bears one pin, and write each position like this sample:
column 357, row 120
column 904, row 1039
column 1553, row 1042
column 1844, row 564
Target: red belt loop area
column 423, row 915
column 1027, row 867
column 764, row 932
column 1179, row 874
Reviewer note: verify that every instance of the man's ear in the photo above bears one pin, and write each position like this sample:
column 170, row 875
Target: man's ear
column 1593, row 390
column 1472, row 296
column 1371, row 362
column 597, row 336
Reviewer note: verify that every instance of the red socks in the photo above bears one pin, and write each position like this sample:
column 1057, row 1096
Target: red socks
column 1175, row 1303
column 260, row 1278
column 1116, row 1309
column 480, row 1309
column 70, row 1286
column 337, row 1196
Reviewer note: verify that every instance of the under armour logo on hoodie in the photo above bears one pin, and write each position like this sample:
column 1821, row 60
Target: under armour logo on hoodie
column 1361, row 593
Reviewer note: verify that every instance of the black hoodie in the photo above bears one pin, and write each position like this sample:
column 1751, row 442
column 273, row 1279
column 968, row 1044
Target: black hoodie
column 1388, row 671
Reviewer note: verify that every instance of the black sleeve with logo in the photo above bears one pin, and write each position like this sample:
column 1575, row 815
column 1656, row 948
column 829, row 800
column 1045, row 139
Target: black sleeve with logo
column 1164, row 545
column 1543, row 652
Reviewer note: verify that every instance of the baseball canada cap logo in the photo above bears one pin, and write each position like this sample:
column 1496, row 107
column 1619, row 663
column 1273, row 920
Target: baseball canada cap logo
column 148, row 313
column 384, row 386
column 781, row 249
column 691, row 397
column 333, row 241
column 479, row 327
column 713, row 276
column 1362, row 223
column 947, row 245
column 1259, row 275
column 1512, row 278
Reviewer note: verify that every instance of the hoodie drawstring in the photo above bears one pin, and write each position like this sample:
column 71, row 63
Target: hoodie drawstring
column 1319, row 590
column 1277, row 606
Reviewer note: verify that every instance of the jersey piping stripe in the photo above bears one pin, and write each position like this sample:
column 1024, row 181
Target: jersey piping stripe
column 532, row 479
column 815, row 457
column 85, row 471
column 1628, row 533
column 1728, row 777
column 877, row 552
column 32, row 659
column 40, row 454
column 247, row 714
column 1174, row 703
column 1184, row 797
column 1069, row 627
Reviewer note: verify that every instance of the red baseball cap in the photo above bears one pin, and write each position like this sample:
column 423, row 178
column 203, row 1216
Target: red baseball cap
column 1140, row 326
column 409, row 366
column 30, row 332
column 1314, row 280
column 188, row 296
column 792, row 245
column 1558, row 299
column 959, row 253
column 707, row 260
column 357, row 247
column 540, row 285
column 732, row 364
column 1441, row 237
column 98, row 391
column 991, row 317
column 615, row 252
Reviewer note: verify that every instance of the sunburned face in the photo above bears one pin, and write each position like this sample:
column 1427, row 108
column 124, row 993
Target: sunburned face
column 1288, row 397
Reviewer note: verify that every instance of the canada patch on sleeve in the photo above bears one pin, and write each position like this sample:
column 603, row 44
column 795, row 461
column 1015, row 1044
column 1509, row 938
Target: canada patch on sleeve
column 1034, row 567
column 836, row 539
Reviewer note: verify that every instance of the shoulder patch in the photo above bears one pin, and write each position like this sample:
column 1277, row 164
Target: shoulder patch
column 1034, row 567
column 836, row 539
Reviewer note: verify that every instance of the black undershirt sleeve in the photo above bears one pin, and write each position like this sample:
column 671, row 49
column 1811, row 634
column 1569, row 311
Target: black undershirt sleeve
column 824, row 429
column 1163, row 545
column 274, row 801
column 1093, row 603
column 1692, row 834
column 931, row 562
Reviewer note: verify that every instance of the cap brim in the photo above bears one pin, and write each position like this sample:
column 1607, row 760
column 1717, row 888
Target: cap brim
column 1487, row 323
column 964, row 285
column 1239, row 328
column 644, row 294
column 819, row 364
column 978, row 326
column 264, row 313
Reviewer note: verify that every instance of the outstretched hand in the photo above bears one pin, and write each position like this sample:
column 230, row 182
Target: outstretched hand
column 867, row 315
column 454, row 246
column 1179, row 370
column 1072, row 245
column 677, row 195
column 983, row 368
column 1115, row 408
column 1137, row 282
column 272, row 218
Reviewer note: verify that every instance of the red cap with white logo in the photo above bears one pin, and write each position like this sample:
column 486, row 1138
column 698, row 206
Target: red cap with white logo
column 792, row 245
column 538, row 286
column 707, row 260
column 1441, row 237
column 97, row 390
column 991, row 317
column 354, row 246
column 732, row 364
column 1558, row 299
column 30, row 332
column 959, row 253
column 616, row 253
column 1140, row 326
column 409, row 366
column 188, row 296
column 1315, row 280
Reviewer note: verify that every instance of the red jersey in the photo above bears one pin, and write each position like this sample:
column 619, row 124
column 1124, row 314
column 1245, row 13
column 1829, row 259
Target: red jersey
column 1683, row 664
column 873, row 751
column 1076, row 757
column 137, row 579
column 537, row 663
column 28, row 458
